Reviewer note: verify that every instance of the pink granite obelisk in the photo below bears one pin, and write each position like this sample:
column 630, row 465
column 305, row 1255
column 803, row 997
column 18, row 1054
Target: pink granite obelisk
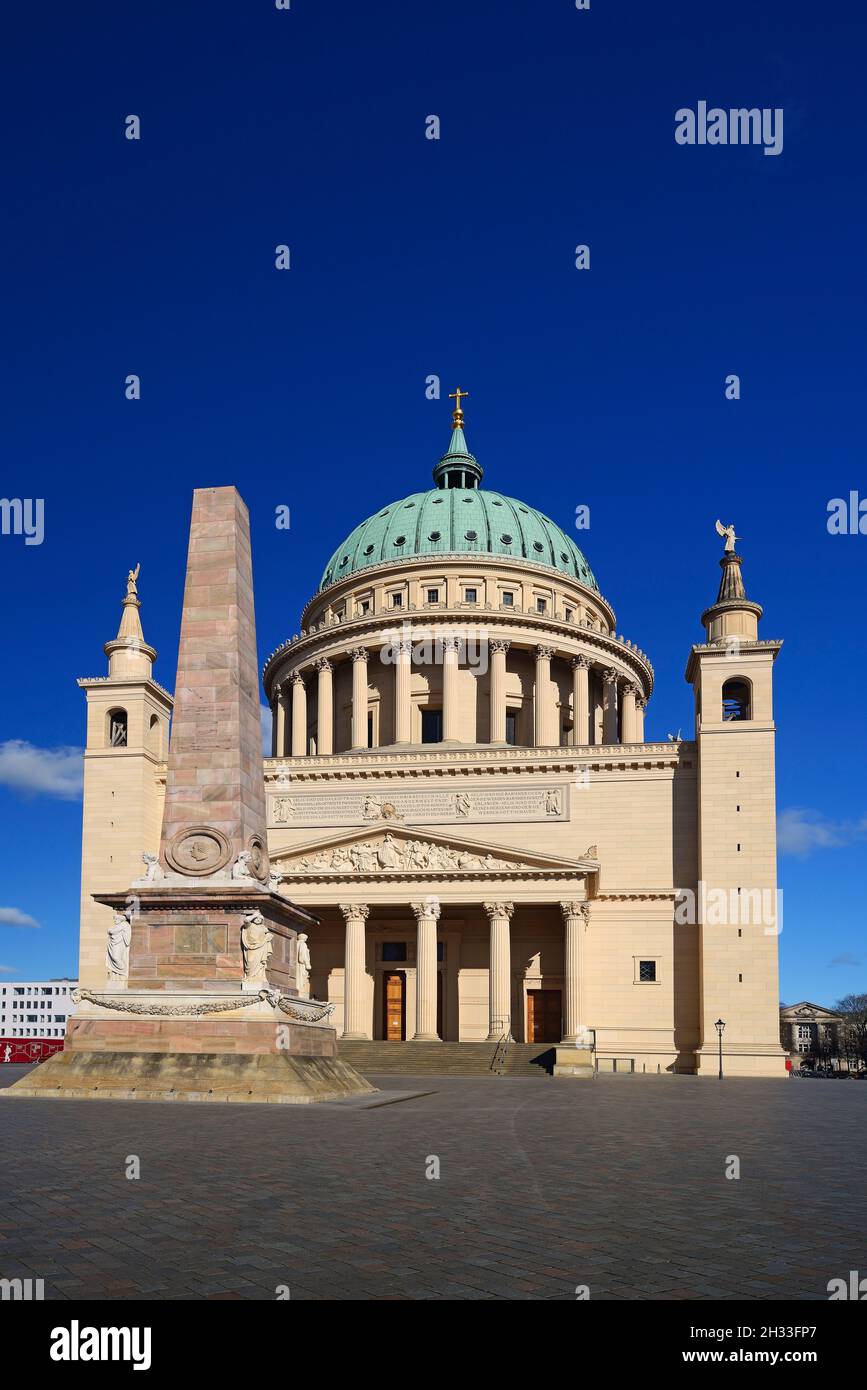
column 209, row 1009
column 215, row 792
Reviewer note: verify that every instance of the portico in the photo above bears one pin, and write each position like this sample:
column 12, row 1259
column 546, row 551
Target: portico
column 445, row 939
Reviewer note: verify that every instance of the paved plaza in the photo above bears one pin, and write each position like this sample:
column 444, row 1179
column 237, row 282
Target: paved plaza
column 617, row 1183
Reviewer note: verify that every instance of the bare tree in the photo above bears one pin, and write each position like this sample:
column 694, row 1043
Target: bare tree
column 853, row 1010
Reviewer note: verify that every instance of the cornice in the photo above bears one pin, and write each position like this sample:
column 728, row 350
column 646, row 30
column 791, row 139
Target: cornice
column 83, row 682
column 369, row 765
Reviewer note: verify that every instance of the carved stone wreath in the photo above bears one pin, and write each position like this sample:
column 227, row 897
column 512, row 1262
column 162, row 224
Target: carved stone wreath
column 312, row 1012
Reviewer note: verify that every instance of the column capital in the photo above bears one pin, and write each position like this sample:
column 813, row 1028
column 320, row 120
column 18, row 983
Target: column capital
column 502, row 910
column 576, row 909
column 610, row 676
column 296, row 678
column 427, row 909
column 277, row 691
column 354, row 912
column 580, row 663
column 500, row 644
column 450, row 642
column 322, row 663
column 544, row 653
column 630, row 688
column 641, row 702
column 359, row 654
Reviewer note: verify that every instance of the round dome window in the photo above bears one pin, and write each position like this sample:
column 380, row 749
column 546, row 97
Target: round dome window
column 368, row 550
column 435, row 535
column 506, row 538
column 400, row 540
column 471, row 535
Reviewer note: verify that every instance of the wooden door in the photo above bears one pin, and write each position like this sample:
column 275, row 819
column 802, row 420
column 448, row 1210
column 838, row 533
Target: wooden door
column 394, row 1005
column 543, row 1015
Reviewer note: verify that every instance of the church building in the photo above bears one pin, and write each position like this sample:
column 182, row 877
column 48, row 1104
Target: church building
column 461, row 791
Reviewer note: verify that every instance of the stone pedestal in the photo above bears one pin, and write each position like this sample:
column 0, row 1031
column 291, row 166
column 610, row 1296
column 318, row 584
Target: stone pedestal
column 574, row 1061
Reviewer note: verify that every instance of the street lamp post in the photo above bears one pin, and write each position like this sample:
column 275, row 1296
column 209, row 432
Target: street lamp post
column 720, row 1027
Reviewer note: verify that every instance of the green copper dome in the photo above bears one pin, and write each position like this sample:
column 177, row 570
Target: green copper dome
column 457, row 518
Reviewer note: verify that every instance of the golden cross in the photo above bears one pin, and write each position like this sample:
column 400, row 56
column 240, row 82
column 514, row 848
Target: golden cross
column 456, row 395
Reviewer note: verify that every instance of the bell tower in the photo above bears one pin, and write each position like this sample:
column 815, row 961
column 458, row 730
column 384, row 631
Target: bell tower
column 737, row 914
column 127, row 743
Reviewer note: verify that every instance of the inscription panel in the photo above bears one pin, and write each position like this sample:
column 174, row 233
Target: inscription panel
column 421, row 807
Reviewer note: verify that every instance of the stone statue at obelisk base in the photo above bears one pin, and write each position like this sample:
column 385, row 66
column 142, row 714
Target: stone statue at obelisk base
column 209, row 1006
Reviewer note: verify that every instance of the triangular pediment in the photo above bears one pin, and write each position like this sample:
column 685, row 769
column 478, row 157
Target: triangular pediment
column 806, row 1010
column 396, row 850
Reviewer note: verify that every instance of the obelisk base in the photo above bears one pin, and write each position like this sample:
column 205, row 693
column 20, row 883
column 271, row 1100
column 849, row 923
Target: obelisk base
column 142, row 1045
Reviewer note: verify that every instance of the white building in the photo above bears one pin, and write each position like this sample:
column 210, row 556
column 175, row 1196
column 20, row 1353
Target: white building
column 35, row 1009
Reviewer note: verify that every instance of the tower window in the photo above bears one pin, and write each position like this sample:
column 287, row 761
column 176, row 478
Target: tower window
column 736, row 700
column 117, row 728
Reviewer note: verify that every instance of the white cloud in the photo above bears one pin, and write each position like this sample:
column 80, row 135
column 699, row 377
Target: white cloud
column 14, row 917
column 7, row 969
column 847, row 958
column 41, row 771
column 800, row 831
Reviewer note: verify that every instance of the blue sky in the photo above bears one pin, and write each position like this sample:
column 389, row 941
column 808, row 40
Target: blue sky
column 454, row 257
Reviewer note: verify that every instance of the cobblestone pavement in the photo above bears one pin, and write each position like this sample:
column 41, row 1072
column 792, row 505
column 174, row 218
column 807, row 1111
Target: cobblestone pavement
column 617, row 1183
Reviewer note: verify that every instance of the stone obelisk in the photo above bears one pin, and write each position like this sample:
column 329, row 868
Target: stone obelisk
column 207, row 1007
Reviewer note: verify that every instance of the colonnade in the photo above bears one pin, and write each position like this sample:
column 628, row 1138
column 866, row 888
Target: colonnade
column 356, row 1017
column 622, row 702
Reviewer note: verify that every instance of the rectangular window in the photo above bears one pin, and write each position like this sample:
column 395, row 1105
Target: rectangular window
column 512, row 726
column 397, row 600
column 433, row 595
column 431, row 726
column 508, row 600
column 394, row 950
column 569, row 613
column 541, row 605
column 470, row 595
column 370, row 728
column 364, row 606
column 647, row 971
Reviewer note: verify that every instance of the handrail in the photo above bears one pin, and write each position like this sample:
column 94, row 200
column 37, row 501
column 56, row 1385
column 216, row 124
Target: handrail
column 498, row 1061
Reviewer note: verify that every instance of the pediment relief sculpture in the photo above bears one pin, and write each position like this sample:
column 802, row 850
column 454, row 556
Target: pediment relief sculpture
column 390, row 853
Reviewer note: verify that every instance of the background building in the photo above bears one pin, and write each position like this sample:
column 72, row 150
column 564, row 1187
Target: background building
column 461, row 789
column 33, row 1018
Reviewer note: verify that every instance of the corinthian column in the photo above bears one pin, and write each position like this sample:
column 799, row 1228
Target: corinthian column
column 542, row 698
column 498, row 649
column 576, row 915
column 356, row 1018
column 299, row 715
column 640, row 707
column 359, row 697
column 580, row 700
column 426, row 915
column 609, row 706
column 402, row 690
column 450, row 688
column 277, row 712
column 628, row 722
column 325, row 708
column 499, row 969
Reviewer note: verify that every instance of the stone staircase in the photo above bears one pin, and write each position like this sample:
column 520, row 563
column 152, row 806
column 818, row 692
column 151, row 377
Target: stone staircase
column 446, row 1058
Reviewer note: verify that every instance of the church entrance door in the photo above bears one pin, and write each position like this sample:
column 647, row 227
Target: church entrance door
column 543, row 1015
column 394, row 1006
